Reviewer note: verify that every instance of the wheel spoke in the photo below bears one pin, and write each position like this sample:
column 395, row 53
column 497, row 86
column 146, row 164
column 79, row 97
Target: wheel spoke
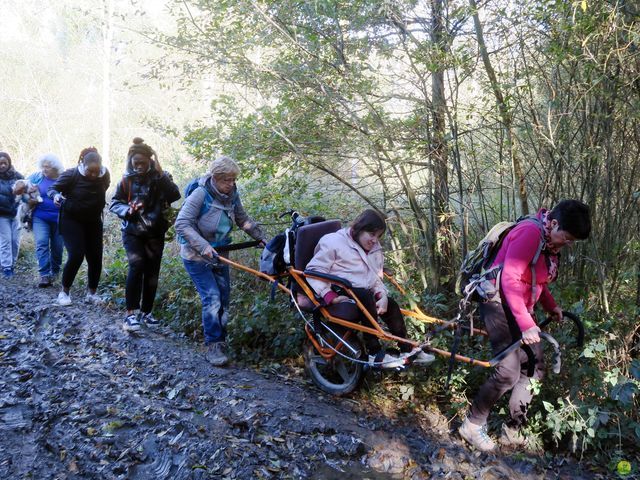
column 342, row 370
column 318, row 360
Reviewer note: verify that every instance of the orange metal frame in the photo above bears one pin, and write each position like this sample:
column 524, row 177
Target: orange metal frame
column 375, row 328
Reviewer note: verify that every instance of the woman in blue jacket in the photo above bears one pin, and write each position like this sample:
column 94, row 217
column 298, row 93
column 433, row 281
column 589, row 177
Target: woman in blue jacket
column 49, row 242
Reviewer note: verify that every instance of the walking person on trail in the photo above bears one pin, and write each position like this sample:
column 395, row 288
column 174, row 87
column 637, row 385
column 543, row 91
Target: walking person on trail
column 204, row 223
column 9, row 225
column 141, row 198
column 44, row 215
column 355, row 254
column 80, row 194
column 510, row 317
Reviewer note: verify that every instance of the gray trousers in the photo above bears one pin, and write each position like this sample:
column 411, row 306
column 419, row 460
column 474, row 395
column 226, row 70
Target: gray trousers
column 510, row 373
column 9, row 241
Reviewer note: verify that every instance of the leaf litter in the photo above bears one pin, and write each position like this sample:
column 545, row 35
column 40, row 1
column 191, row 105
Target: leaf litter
column 82, row 399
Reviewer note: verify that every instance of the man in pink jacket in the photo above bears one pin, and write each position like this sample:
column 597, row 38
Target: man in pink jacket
column 513, row 318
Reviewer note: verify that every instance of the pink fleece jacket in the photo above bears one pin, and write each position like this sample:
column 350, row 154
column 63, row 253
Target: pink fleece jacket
column 340, row 255
column 517, row 252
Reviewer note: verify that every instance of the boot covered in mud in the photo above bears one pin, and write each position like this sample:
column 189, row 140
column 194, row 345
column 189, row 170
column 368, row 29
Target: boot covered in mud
column 476, row 436
column 512, row 437
column 216, row 354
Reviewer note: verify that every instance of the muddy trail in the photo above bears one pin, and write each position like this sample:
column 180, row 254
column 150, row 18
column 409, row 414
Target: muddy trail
column 82, row 399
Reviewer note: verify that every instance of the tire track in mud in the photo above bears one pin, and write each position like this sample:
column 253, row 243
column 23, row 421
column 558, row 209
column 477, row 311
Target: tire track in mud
column 79, row 398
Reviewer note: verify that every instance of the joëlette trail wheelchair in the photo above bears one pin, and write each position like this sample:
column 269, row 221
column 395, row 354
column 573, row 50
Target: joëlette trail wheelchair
column 333, row 349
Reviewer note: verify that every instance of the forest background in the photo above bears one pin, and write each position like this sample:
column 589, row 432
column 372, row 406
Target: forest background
column 448, row 116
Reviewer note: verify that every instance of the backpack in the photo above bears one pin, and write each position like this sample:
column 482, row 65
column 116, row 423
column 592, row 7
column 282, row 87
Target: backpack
column 272, row 257
column 278, row 254
column 475, row 279
column 208, row 197
column 191, row 186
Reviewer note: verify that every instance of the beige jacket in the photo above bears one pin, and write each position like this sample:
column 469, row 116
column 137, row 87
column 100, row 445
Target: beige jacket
column 340, row 255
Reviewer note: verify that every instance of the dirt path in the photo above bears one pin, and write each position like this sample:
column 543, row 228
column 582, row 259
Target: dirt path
column 81, row 399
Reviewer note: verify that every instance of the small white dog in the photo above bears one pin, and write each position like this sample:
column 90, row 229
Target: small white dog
column 29, row 196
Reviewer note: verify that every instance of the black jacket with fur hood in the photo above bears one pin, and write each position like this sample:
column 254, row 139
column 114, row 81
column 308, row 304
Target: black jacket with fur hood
column 155, row 190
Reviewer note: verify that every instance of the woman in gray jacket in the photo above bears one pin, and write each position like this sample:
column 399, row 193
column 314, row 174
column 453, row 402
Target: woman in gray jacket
column 204, row 223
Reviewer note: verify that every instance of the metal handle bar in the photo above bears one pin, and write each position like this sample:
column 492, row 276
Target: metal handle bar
column 576, row 320
column 556, row 356
column 556, row 347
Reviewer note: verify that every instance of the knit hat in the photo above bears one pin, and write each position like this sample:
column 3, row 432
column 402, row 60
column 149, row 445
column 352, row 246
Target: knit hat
column 6, row 155
column 140, row 147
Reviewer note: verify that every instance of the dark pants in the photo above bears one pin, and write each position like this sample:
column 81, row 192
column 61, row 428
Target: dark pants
column 82, row 240
column 510, row 373
column 144, row 255
column 392, row 317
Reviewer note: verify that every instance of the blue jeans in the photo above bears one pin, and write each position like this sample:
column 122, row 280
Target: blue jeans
column 49, row 245
column 213, row 286
column 9, row 241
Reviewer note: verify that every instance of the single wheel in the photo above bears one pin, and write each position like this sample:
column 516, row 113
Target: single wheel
column 338, row 375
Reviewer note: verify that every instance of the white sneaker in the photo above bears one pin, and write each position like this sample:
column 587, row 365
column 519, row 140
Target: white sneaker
column 476, row 436
column 131, row 323
column 149, row 320
column 420, row 357
column 93, row 298
column 63, row 299
column 388, row 361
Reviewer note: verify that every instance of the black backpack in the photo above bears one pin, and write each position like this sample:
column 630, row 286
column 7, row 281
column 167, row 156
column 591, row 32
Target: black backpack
column 278, row 254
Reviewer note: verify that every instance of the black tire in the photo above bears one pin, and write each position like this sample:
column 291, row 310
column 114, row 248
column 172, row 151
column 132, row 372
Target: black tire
column 338, row 376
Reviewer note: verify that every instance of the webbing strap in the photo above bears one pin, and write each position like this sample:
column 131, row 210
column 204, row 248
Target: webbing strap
column 534, row 283
column 237, row 246
column 274, row 289
column 454, row 350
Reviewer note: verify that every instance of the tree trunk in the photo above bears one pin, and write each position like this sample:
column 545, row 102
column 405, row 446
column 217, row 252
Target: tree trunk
column 107, row 40
column 505, row 114
column 439, row 157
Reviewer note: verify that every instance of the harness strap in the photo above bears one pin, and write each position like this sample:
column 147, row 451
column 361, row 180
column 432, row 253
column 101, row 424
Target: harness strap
column 274, row 289
column 237, row 246
column 454, row 350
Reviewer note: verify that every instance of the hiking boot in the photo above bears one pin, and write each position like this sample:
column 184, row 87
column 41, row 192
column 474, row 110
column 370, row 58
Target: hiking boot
column 476, row 436
column 130, row 323
column 216, row 354
column 421, row 358
column 63, row 299
column 93, row 298
column 386, row 361
column 149, row 320
column 7, row 273
column 512, row 437
column 44, row 282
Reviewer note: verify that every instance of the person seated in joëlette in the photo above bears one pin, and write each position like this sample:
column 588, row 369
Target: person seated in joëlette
column 355, row 254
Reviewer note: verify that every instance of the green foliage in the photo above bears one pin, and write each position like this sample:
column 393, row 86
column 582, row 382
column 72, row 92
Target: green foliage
column 264, row 329
column 333, row 97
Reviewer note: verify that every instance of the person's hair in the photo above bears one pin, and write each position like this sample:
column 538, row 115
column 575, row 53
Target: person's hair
column 90, row 155
column 368, row 221
column 52, row 160
column 5, row 155
column 140, row 147
column 573, row 216
column 224, row 165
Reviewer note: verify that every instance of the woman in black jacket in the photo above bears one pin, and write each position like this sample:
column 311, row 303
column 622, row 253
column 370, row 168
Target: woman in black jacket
column 140, row 200
column 9, row 226
column 80, row 194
